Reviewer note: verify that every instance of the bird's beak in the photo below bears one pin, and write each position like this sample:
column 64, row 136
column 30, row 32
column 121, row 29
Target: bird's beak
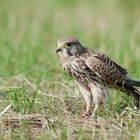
column 58, row 50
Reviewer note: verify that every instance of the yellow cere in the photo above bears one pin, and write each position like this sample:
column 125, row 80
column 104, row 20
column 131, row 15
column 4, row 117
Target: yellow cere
column 62, row 45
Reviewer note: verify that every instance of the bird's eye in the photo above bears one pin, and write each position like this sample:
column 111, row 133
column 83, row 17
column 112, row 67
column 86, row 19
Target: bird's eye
column 69, row 44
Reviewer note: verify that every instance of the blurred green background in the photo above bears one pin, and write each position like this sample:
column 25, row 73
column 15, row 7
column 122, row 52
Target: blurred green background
column 29, row 30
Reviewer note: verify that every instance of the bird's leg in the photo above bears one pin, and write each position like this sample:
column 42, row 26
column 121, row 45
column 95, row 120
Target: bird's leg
column 99, row 93
column 88, row 99
column 85, row 90
column 94, row 112
column 88, row 113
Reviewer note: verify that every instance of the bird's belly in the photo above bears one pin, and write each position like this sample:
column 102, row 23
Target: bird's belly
column 81, row 73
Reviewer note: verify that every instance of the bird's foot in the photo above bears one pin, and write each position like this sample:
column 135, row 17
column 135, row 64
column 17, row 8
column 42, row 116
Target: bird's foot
column 87, row 114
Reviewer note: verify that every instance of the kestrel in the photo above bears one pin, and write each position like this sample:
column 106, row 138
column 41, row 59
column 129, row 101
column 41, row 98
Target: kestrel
column 94, row 73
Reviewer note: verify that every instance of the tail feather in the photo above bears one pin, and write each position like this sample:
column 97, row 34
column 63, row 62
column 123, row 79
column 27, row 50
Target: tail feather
column 132, row 82
column 133, row 91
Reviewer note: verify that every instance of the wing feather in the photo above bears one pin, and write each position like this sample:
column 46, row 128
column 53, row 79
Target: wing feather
column 106, row 59
column 105, row 68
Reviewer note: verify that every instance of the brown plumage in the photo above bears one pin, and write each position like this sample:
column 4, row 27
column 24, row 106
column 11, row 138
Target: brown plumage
column 94, row 72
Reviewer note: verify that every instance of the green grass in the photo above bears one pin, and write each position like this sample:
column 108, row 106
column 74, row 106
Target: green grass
column 37, row 98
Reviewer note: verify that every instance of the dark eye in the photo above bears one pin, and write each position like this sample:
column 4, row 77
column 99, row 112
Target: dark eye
column 69, row 44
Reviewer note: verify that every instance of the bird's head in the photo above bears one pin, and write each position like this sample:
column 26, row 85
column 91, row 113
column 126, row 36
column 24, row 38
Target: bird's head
column 69, row 46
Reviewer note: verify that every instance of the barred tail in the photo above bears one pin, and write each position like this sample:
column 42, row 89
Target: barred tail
column 132, row 82
column 128, row 86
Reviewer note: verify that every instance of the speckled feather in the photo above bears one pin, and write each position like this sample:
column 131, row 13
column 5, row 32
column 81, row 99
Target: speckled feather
column 95, row 66
column 94, row 72
column 105, row 68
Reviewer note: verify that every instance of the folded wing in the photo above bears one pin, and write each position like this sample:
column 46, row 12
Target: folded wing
column 105, row 68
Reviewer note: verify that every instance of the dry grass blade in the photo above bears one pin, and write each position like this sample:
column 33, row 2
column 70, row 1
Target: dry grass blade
column 32, row 125
column 5, row 109
column 35, row 121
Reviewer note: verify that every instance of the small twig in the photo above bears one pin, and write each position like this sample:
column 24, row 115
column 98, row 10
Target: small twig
column 5, row 109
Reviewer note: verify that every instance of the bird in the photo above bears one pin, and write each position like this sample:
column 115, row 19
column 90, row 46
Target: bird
column 95, row 73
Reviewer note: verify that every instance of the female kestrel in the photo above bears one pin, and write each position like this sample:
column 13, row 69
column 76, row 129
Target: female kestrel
column 94, row 73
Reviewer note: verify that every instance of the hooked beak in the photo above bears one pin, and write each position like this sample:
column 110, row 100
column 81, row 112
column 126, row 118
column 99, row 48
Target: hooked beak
column 58, row 50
